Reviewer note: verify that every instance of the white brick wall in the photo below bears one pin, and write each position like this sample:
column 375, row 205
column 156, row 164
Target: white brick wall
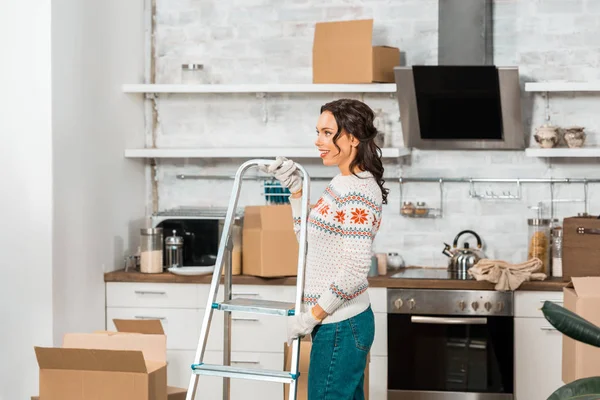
column 269, row 41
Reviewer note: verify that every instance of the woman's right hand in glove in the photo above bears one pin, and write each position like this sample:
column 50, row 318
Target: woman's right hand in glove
column 286, row 172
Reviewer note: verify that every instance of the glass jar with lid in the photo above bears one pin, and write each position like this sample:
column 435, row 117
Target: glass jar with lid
column 539, row 242
column 151, row 248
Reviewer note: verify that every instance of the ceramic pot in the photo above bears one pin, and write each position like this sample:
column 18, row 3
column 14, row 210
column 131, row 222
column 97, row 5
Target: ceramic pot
column 547, row 136
column 574, row 136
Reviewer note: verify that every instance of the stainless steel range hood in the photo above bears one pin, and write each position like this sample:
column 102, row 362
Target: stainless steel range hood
column 464, row 102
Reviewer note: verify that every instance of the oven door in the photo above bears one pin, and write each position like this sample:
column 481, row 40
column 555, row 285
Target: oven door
column 432, row 357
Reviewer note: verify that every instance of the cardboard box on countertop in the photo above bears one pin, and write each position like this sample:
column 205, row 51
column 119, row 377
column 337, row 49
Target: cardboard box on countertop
column 580, row 360
column 303, row 364
column 343, row 53
column 269, row 244
column 135, row 339
column 581, row 247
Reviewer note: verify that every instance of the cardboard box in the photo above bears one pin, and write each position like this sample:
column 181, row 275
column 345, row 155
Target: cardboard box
column 145, row 337
column 269, row 244
column 343, row 53
column 86, row 374
column 302, row 391
column 581, row 247
column 582, row 296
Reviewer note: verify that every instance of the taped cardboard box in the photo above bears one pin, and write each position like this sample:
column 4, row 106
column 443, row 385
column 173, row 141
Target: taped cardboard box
column 303, row 364
column 579, row 360
column 269, row 244
column 343, row 53
column 145, row 336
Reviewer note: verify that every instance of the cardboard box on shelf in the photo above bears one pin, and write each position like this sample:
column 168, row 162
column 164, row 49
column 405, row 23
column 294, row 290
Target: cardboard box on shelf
column 581, row 247
column 343, row 53
column 580, row 360
column 269, row 245
column 134, row 340
column 303, row 363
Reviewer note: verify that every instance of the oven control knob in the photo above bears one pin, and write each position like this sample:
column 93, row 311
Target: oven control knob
column 411, row 303
column 475, row 305
column 398, row 303
column 488, row 305
column 500, row 306
column 462, row 305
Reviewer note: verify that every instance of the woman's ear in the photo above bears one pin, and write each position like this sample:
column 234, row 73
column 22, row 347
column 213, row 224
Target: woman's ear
column 354, row 141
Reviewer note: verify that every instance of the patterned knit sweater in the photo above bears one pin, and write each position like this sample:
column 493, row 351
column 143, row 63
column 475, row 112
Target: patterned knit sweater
column 341, row 229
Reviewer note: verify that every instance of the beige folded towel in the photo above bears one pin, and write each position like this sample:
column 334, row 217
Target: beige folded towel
column 507, row 276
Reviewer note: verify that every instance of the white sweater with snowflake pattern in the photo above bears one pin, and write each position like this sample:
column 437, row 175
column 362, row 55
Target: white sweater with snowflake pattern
column 341, row 229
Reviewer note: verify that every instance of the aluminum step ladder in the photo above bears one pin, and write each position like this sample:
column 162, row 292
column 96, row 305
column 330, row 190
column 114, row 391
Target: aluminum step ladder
column 255, row 306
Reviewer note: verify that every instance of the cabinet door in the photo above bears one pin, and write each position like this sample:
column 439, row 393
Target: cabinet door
column 179, row 373
column 378, row 378
column 538, row 359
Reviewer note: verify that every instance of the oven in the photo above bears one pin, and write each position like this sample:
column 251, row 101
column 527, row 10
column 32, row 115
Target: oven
column 450, row 344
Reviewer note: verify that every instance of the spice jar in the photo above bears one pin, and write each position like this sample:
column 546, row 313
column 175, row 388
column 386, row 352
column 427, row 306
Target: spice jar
column 421, row 210
column 151, row 242
column 407, row 208
column 557, row 237
column 539, row 242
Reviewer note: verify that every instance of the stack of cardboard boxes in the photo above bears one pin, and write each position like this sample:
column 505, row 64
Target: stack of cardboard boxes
column 130, row 364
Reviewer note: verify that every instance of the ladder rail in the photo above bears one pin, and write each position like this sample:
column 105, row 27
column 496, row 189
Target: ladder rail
column 223, row 246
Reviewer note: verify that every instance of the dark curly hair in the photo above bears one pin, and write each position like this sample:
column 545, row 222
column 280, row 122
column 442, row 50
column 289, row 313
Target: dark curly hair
column 356, row 118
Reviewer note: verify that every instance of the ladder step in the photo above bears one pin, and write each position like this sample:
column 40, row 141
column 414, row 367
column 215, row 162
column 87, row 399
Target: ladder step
column 243, row 373
column 257, row 306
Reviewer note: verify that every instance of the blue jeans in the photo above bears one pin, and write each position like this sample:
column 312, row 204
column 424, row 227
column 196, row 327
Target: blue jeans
column 338, row 358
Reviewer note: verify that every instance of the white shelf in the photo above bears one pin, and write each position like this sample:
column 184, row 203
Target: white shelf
column 589, row 152
column 562, row 86
column 243, row 153
column 266, row 88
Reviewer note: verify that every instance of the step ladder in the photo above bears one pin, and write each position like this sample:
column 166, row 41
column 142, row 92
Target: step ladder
column 272, row 307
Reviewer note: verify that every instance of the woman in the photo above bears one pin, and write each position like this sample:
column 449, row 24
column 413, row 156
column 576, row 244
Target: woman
column 336, row 309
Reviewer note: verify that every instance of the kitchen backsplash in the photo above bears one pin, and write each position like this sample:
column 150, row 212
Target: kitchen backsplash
column 264, row 41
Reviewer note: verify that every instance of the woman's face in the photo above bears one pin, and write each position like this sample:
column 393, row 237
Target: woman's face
column 326, row 129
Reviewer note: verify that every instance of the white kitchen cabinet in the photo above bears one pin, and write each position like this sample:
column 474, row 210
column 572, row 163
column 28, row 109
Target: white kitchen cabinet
column 538, row 348
column 151, row 295
column 378, row 378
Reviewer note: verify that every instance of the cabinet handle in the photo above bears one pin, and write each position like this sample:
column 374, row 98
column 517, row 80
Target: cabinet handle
column 149, row 292
column 148, row 317
column 547, row 328
column 245, row 294
column 245, row 362
column 245, row 319
column 552, row 301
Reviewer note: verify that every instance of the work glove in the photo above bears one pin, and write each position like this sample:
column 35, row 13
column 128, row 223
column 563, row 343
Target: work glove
column 286, row 172
column 300, row 325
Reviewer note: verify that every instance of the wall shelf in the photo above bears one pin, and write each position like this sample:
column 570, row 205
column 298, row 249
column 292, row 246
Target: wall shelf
column 589, row 152
column 290, row 152
column 593, row 86
column 262, row 88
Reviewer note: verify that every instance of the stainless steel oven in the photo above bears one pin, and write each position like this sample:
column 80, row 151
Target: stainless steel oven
column 450, row 344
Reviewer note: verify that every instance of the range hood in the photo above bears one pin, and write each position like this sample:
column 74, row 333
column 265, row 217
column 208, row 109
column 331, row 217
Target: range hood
column 464, row 102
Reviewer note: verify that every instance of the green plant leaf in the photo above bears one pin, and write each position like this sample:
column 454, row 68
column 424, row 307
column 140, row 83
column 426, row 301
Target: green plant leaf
column 571, row 324
column 581, row 389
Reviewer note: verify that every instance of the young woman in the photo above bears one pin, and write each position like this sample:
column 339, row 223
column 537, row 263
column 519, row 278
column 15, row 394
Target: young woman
column 336, row 309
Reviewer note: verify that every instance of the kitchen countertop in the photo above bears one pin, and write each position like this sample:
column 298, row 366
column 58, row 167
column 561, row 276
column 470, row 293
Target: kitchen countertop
column 386, row 281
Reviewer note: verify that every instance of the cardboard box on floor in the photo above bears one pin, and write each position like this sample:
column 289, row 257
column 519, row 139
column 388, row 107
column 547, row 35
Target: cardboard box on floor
column 303, row 364
column 343, row 53
column 88, row 362
column 269, row 244
column 579, row 360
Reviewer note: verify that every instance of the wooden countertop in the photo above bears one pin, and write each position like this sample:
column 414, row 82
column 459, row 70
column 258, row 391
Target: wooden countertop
column 386, row 281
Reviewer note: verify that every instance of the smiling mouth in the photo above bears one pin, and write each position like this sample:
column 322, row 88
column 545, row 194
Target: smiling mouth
column 323, row 153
